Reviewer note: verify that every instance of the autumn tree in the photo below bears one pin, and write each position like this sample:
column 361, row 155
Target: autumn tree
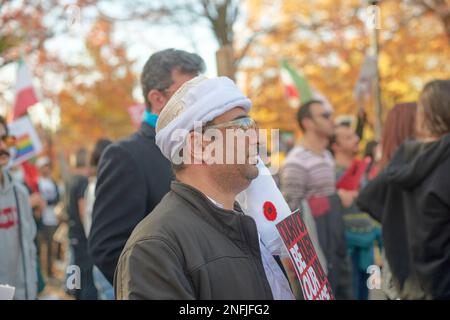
column 91, row 96
column 440, row 9
column 327, row 40
column 26, row 29
column 97, row 92
column 27, row 25
column 22, row 28
column 220, row 16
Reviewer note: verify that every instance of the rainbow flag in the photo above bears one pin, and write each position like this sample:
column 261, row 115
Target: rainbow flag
column 24, row 146
column 28, row 143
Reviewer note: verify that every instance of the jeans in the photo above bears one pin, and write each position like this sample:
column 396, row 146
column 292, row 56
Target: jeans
column 46, row 237
column 105, row 290
column 359, row 276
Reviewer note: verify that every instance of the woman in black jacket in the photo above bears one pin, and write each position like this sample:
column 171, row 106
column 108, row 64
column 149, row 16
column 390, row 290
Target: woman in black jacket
column 411, row 197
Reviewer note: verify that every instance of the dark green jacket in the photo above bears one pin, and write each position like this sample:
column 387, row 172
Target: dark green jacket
column 188, row 248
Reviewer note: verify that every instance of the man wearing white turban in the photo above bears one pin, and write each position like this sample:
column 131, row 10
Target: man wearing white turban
column 197, row 243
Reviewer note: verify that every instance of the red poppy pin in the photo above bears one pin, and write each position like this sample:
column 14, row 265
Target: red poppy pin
column 270, row 212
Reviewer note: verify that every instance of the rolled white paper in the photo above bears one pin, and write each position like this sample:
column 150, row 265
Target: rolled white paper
column 6, row 292
column 263, row 201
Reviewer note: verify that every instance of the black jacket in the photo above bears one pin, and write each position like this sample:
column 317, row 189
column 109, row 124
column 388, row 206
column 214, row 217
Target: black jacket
column 188, row 248
column 411, row 198
column 132, row 178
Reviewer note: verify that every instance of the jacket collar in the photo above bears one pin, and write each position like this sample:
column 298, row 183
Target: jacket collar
column 233, row 223
column 147, row 130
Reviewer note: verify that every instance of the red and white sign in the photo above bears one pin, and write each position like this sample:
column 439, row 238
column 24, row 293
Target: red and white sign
column 25, row 94
column 312, row 278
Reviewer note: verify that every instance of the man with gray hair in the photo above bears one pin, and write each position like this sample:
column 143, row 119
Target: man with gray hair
column 133, row 175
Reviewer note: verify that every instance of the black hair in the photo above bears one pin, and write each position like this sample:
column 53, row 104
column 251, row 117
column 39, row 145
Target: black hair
column 333, row 138
column 157, row 72
column 100, row 146
column 370, row 149
column 305, row 112
column 81, row 158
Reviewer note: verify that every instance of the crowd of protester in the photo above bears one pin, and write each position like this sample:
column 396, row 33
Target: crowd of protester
column 138, row 225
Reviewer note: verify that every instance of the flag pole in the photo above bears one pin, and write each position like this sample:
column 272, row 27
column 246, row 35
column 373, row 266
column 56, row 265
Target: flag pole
column 375, row 48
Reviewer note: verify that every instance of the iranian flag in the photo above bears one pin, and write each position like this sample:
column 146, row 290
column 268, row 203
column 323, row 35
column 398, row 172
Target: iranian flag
column 25, row 94
column 297, row 87
column 298, row 90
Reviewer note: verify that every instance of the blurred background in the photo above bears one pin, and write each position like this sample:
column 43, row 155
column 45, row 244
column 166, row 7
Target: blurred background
column 85, row 57
column 82, row 62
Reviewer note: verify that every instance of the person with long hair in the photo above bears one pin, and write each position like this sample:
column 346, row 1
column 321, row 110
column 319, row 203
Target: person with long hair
column 410, row 198
column 400, row 125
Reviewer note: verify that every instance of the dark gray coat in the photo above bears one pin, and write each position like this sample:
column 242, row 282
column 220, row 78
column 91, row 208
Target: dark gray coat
column 188, row 248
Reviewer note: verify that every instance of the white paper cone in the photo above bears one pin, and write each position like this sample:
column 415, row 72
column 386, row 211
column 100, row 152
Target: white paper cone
column 6, row 292
column 263, row 201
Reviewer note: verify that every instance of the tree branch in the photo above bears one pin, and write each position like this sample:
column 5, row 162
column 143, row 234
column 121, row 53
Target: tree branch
column 249, row 43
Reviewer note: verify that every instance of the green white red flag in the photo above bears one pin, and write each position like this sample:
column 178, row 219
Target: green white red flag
column 297, row 88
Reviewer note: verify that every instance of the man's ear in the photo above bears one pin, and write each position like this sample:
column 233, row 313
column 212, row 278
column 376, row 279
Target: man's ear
column 157, row 100
column 307, row 122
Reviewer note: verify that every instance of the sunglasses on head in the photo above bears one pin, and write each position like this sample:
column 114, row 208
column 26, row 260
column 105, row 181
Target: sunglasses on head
column 10, row 141
column 243, row 123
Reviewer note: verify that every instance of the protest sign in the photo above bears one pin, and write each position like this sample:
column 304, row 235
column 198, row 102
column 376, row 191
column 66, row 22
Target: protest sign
column 312, row 278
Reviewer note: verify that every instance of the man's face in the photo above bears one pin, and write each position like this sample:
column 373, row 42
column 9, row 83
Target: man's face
column 45, row 171
column 347, row 141
column 240, row 151
column 322, row 119
column 4, row 149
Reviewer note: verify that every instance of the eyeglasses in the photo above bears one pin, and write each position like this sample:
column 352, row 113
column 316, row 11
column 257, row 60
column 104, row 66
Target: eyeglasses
column 244, row 123
column 326, row 115
column 10, row 141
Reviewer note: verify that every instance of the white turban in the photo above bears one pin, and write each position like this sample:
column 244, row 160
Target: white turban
column 200, row 99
